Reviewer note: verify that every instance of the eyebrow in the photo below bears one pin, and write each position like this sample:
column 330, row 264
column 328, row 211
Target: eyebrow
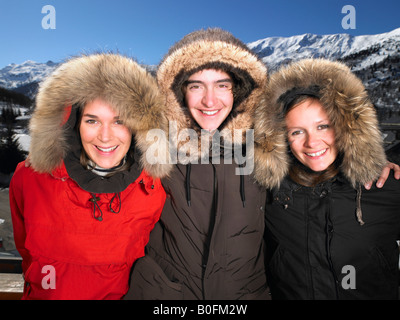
column 318, row 122
column 218, row 81
column 93, row 116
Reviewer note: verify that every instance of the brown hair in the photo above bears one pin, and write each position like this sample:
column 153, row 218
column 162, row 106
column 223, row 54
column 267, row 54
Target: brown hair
column 300, row 173
column 84, row 158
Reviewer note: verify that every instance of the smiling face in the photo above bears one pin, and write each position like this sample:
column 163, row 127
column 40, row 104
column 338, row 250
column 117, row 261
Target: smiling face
column 310, row 135
column 209, row 97
column 104, row 138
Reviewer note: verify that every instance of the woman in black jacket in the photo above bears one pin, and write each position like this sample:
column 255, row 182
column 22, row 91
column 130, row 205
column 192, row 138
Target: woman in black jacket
column 327, row 236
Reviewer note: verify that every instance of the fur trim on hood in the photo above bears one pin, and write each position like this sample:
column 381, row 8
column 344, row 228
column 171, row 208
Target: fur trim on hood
column 218, row 49
column 349, row 109
column 117, row 80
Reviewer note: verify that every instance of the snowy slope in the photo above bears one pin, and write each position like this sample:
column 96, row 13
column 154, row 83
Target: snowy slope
column 362, row 53
column 17, row 75
column 374, row 58
column 277, row 50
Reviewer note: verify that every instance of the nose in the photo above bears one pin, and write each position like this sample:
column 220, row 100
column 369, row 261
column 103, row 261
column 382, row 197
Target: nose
column 209, row 98
column 311, row 140
column 105, row 133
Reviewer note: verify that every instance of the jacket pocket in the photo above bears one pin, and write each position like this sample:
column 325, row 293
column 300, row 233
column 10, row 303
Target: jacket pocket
column 149, row 282
column 34, row 278
column 380, row 280
column 285, row 275
column 385, row 266
column 275, row 260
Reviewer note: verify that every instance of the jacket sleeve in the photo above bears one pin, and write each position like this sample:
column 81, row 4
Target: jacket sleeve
column 17, row 213
column 159, row 197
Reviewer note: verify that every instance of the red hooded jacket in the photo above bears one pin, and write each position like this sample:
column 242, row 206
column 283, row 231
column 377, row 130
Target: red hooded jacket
column 78, row 232
column 67, row 253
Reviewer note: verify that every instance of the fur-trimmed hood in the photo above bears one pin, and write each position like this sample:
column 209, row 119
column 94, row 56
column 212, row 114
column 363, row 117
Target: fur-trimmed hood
column 348, row 107
column 218, row 49
column 118, row 80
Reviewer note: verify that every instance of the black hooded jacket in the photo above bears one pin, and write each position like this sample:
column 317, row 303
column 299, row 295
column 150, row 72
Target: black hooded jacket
column 318, row 250
column 336, row 240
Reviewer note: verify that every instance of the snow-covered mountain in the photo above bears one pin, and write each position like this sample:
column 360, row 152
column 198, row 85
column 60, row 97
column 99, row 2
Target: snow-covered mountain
column 279, row 50
column 374, row 58
column 25, row 77
column 17, row 75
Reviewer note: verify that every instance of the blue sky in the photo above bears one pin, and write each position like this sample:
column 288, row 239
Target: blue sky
column 145, row 29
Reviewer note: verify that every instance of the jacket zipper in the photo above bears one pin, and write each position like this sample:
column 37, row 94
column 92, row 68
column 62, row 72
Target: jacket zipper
column 329, row 234
column 308, row 271
column 210, row 231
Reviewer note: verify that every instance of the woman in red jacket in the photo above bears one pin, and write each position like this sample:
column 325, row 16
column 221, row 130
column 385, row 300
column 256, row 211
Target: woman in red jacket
column 82, row 212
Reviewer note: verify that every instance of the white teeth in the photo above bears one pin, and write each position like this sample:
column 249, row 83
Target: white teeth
column 108, row 149
column 317, row 154
column 210, row 113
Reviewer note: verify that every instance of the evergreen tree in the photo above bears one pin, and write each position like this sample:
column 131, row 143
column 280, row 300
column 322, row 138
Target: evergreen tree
column 10, row 151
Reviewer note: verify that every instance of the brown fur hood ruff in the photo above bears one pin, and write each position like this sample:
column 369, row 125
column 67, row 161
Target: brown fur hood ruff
column 218, row 49
column 349, row 109
column 117, row 80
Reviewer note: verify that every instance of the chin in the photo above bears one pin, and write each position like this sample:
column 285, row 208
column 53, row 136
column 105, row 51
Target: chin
column 319, row 168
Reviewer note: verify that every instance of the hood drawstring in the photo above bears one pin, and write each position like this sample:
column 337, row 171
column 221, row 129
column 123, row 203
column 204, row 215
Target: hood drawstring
column 119, row 203
column 188, row 194
column 94, row 200
column 358, row 209
column 96, row 205
column 242, row 191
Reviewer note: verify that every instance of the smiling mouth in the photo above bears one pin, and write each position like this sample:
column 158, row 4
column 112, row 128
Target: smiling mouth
column 209, row 113
column 107, row 149
column 316, row 154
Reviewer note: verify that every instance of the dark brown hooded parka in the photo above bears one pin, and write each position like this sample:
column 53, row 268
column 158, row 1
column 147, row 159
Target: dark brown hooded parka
column 209, row 241
column 333, row 240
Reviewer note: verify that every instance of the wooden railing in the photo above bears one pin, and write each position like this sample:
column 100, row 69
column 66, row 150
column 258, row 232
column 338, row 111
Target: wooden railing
column 11, row 286
column 11, row 280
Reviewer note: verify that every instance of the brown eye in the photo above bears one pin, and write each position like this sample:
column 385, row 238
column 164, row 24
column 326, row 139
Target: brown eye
column 194, row 87
column 323, row 126
column 295, row 133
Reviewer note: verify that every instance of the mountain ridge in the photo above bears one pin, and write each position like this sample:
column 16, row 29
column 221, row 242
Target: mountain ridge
column 374, row 58
column 275, row 51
